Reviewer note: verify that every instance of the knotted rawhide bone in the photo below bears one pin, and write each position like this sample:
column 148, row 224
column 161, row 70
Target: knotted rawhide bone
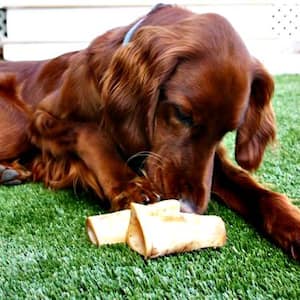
column 112, row 228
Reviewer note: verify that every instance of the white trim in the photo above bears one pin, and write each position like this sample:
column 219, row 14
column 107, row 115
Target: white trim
column 6, row 41
column 122, row 3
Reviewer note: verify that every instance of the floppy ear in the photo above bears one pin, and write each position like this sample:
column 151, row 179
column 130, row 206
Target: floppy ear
column 258, row 127
column 130, row 86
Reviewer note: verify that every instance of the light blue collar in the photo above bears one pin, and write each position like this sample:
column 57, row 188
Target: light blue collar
column 133, row 29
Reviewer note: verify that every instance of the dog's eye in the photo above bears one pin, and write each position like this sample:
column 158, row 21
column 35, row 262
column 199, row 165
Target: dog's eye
column 183, row 117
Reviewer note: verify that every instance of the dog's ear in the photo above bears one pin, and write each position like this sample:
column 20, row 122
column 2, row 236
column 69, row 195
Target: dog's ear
column 258, row 127
column 131, row 84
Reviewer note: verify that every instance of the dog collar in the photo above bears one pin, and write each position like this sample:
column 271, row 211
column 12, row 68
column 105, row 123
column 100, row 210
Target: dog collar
column 136, row 25
column 131, row 31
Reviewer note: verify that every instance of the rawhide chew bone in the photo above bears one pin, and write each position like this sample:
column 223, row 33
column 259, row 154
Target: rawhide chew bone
column 153, row 234
column 108, row 228
column 112, row 228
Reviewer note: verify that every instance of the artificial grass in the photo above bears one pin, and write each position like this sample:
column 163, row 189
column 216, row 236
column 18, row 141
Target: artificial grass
column 45, row 252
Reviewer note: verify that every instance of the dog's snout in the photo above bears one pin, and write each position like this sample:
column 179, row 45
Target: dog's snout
column 187, row 206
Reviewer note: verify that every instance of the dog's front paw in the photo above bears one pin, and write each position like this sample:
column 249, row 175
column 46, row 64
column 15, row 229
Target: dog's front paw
column 139, row 190
column 13, row 174
column 284, row 226
column 287, row 235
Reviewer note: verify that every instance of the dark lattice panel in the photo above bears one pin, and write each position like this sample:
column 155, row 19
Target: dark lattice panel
column 3, row 32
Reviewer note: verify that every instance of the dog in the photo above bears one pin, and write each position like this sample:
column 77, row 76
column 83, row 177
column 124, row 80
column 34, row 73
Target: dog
column 139, row 115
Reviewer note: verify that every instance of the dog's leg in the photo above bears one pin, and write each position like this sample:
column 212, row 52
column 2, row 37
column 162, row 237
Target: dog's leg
column 14, row 119
column 120, row 184
column 269, row 211
column 97, row 151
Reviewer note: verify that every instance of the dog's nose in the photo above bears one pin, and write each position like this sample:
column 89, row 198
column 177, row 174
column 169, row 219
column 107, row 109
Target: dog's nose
column 195, row 202
column 187, row 206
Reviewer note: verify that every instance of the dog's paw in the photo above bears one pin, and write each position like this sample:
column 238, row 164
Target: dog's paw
column 139, row 190
column 282, row 223
column 290, row 234
column 295, row 249
column 13, row 174
column 288, row 237
column 9, row 176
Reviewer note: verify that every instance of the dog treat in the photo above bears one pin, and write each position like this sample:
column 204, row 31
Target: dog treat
column 108, row 228
column 157, row 229
column 153, row 234
column 112, row 228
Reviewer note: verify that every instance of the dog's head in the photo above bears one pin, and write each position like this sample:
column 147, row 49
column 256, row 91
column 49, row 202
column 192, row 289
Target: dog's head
column 176, row 90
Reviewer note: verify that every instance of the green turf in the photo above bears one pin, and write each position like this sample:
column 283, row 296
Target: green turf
column 45, row 253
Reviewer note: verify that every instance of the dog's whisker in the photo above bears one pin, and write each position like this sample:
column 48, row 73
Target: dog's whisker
column 145, row 154
column 157, row 159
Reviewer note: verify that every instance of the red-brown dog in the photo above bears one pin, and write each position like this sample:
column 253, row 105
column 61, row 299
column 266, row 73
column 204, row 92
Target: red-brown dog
column 168, row 95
